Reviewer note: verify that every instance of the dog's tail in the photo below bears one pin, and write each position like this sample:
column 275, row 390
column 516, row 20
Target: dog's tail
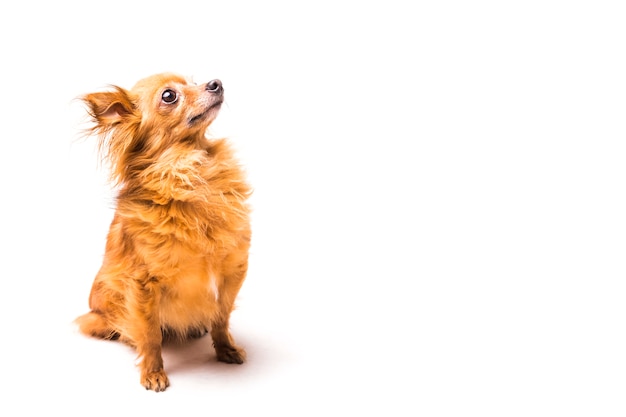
column 95, row 324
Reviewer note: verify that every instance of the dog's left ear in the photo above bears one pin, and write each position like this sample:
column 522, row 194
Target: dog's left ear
column 110, row 107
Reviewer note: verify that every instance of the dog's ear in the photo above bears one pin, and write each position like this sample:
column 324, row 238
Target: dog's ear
column 110, row 107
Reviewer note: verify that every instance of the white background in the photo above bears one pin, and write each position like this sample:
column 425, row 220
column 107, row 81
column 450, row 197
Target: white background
column 439, row 209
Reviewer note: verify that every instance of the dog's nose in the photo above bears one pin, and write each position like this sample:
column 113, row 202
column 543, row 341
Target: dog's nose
column 214, row 86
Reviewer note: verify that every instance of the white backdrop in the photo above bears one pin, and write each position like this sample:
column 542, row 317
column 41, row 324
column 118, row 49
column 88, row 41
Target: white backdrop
column 439, row 208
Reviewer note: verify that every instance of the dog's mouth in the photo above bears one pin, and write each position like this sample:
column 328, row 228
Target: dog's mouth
column 199, row 117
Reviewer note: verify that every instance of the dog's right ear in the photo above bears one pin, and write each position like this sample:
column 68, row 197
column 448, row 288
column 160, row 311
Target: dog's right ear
column 110, row 107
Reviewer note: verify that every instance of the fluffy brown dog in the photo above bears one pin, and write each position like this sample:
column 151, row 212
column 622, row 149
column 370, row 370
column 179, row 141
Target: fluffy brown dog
column 177, row 249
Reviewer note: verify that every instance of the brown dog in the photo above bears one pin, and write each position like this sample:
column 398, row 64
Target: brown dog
column 177, row 249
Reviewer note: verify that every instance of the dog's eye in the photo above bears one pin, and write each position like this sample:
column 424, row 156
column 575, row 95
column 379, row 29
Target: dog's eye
column 169, row 96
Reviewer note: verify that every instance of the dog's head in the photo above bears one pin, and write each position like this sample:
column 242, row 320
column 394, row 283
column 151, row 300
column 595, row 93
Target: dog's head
column 158, row 112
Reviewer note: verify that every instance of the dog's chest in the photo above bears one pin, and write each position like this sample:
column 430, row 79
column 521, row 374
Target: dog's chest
column 189, row 297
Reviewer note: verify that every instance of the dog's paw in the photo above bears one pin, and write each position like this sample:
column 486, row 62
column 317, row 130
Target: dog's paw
column 230, row 354
column 156, row 381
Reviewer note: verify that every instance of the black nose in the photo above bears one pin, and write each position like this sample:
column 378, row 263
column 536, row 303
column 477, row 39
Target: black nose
column 214, row 86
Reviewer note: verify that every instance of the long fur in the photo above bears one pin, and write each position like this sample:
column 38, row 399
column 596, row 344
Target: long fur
column 177, row 250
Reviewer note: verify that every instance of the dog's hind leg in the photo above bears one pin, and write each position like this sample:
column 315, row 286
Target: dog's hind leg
column 194, row 332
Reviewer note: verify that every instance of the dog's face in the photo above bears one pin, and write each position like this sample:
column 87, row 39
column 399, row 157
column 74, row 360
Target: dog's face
column 174, row 103
column 158, row 112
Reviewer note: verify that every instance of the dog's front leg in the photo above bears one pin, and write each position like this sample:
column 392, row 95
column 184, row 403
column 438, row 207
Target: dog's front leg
column 146, row 333
column 225, row 348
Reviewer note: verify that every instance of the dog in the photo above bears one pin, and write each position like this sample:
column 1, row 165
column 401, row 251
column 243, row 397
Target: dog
column 177, row 249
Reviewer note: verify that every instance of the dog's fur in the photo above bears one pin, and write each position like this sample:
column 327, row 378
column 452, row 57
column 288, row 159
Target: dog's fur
column 177, row 249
